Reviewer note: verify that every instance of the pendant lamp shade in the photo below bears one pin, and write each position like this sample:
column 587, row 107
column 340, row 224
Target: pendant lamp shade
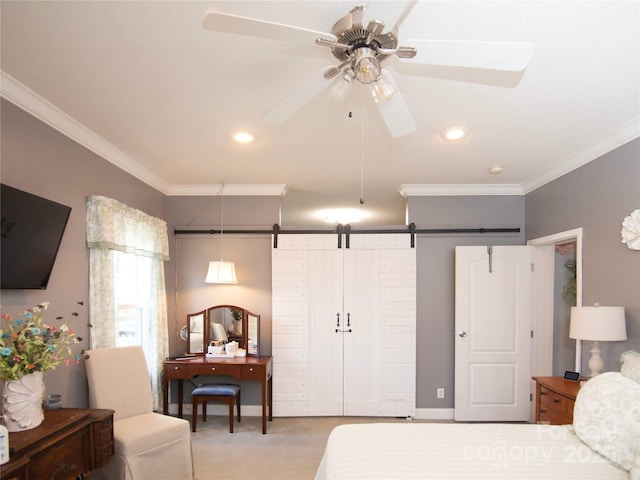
column 221, row 272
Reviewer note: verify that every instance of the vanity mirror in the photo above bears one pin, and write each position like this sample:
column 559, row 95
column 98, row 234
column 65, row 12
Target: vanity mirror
column 195, row 332
column 223, row 323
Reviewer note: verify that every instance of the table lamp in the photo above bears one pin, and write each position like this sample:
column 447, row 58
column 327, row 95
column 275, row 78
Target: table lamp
column 597, row 324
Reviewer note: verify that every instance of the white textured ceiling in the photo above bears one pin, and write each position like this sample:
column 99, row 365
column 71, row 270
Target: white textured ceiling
column 159, row 96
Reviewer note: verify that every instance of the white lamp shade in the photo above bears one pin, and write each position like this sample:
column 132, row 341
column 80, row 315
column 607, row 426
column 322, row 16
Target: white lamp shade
column 221, row 272
column 598, row 324
column 218, row 333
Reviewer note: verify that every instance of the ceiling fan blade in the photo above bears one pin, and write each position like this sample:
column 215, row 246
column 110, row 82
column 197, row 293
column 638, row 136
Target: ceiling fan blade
column 395, row 112
column 509, row 56
column 299, row 98
column 388, row 12
column 226, row 22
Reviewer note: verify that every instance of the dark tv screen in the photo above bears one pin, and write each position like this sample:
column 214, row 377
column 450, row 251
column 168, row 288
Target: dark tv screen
column 32, row 229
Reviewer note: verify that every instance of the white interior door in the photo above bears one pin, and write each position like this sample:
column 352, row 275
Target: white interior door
column 492, row 333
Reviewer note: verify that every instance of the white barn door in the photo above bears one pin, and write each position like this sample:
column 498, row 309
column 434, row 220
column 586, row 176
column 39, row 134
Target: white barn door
column 307, row 285
column 492, row 333
column 344, row 326
column 380, row 304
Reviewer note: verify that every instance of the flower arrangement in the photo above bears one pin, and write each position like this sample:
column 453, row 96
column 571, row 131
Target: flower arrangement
column 29, row 345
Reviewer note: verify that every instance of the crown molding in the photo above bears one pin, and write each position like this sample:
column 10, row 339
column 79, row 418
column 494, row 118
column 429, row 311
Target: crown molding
column 32, row 103
column 434, row 190
column 279, row 190
column 29, row 101
column 624, row 134
column 40, row 108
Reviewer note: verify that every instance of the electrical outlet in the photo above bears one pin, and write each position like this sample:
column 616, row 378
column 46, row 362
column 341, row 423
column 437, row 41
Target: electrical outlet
column 440, row 392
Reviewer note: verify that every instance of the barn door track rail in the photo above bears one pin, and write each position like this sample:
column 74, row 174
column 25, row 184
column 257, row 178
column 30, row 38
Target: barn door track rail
column 346, row 230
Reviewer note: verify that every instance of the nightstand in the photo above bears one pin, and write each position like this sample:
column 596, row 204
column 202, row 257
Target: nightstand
column 555, row 398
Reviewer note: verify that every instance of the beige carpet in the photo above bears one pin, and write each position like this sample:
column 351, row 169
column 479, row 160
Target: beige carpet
column 291, row 449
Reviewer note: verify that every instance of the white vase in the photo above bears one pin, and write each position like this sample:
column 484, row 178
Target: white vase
column 22, row 402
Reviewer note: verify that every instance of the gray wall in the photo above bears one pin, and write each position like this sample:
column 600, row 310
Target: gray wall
column 435, row 280
column 190, row 256
column 39, row 160
column 597, row 197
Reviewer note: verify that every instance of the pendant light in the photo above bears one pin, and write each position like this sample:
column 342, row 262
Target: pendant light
column 221, row 271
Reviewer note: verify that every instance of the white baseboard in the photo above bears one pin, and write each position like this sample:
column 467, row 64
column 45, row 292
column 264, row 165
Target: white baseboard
column 434, row 414
column 256, row 411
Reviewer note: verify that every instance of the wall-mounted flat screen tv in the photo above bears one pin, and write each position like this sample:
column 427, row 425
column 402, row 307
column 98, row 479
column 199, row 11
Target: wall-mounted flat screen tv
column 31, row 232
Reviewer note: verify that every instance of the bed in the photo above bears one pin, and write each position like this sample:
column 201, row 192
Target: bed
column 602, row 443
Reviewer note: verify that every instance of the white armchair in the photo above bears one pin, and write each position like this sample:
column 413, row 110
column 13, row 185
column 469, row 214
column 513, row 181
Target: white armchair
column 147, row 445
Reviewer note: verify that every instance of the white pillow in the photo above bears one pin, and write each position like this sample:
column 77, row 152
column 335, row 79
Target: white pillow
column 606, row 417
column 634, row 473
column 630, row 365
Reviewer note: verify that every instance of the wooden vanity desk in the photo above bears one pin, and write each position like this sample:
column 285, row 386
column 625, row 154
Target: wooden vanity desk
column 258, row 369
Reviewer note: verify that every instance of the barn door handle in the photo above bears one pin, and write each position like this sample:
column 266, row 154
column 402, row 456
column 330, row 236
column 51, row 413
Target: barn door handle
column 348, row 330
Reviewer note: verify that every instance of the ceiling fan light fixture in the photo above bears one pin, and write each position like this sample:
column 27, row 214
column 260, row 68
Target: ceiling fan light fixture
column 365, row 65
column 383, row 89
column 455, row 134
column 341, row 88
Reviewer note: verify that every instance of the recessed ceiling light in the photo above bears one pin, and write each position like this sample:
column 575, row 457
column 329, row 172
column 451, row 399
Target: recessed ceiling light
column 453, row 134
column 243, row 137
column 496, row 169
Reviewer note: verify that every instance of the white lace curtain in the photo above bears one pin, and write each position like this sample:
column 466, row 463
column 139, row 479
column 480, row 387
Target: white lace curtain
column 113, row 227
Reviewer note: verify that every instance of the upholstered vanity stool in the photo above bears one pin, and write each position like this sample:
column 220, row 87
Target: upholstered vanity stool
column 217, row 392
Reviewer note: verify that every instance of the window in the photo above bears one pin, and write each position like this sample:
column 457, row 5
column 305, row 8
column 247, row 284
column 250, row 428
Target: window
column 127, row 299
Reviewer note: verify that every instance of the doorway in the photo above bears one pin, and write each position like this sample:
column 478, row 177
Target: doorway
column 564, row 297
column 547, row 263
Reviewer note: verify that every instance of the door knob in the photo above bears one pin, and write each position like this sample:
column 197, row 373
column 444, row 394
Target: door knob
column 462, row 333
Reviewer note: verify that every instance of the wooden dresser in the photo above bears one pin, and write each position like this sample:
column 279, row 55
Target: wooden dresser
column 555, row 398
column 69, row 442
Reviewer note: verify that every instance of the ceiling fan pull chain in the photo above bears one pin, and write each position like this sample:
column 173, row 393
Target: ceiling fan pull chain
column 362, row 157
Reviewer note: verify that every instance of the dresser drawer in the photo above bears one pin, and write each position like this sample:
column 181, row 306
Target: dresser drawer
column 70, row 458
column 554, row 401
column 253, row 372
column 103, row 432
column 175, row 371
column 216, row 369
column 553, row 418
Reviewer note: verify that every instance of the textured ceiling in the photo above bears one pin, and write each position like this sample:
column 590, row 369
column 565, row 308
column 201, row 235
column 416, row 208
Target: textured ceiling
column 158, row 95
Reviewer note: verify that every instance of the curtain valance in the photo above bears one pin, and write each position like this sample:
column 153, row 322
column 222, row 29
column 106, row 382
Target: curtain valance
column 116, row 226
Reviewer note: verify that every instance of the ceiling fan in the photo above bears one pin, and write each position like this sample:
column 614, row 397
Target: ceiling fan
column 360, row 44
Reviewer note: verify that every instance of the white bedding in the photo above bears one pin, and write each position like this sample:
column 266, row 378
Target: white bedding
column 461, row 451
